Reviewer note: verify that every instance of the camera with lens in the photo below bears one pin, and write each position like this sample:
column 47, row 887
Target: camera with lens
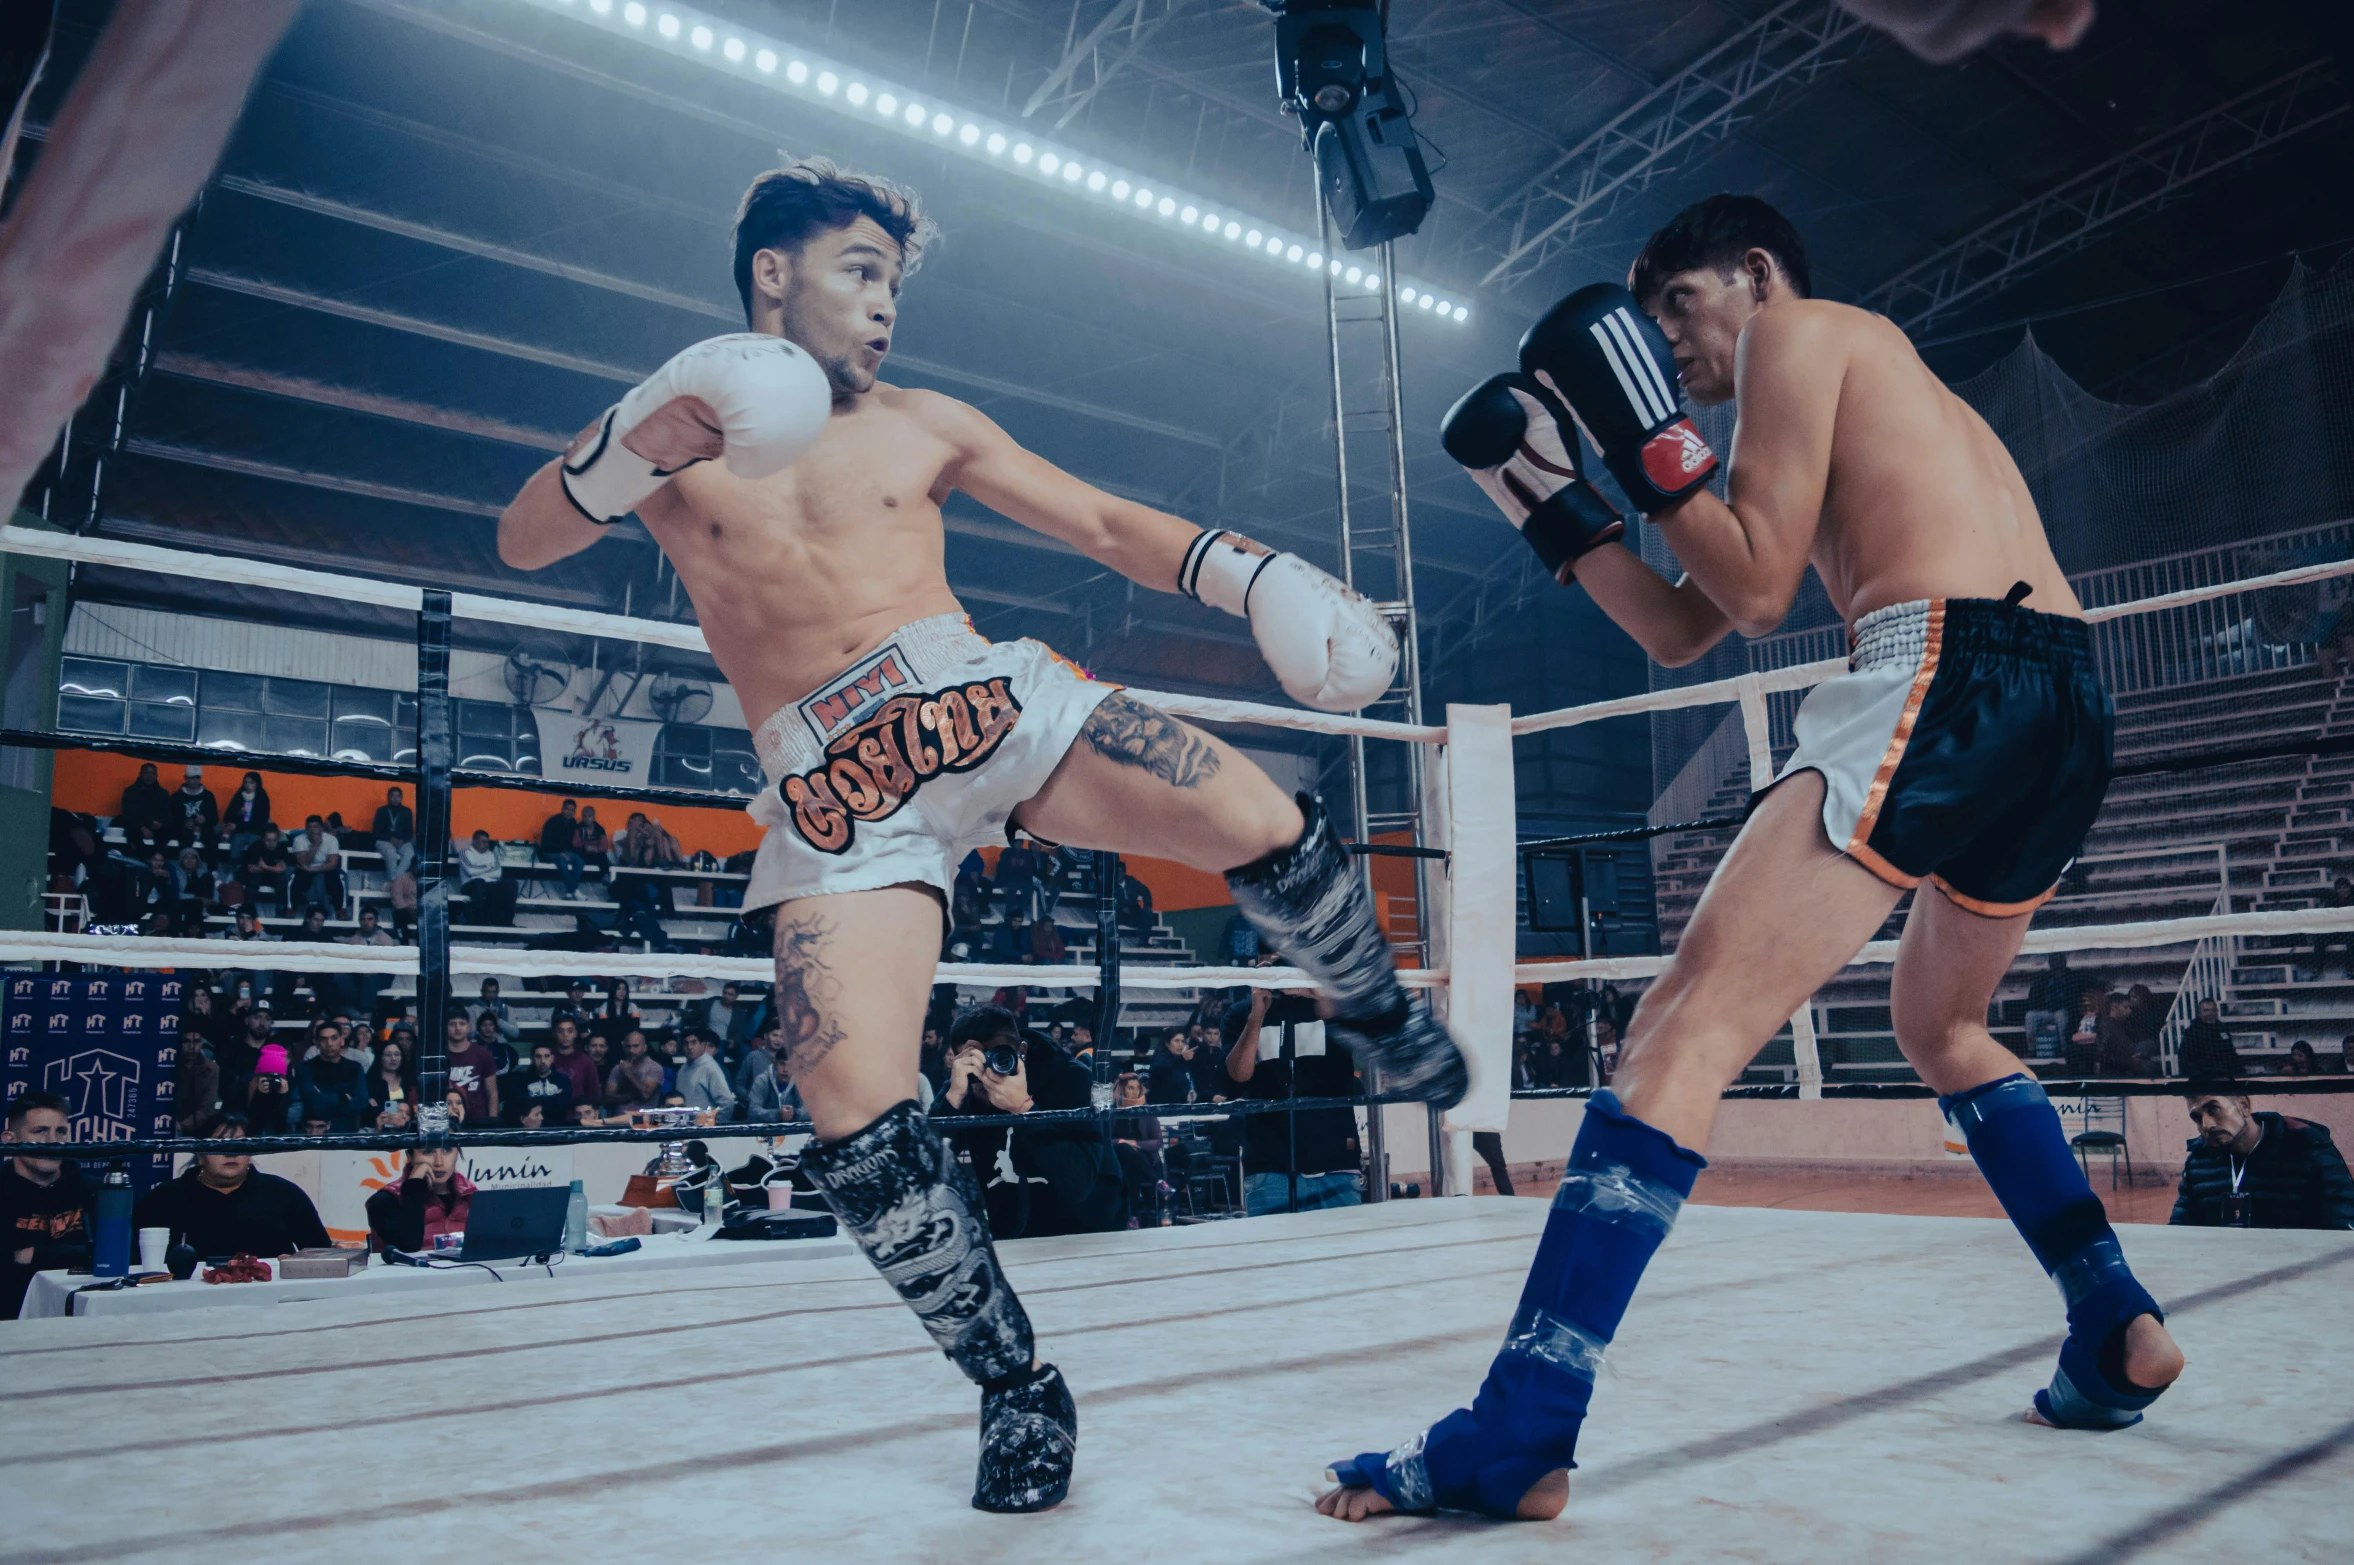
column 1003, row 1059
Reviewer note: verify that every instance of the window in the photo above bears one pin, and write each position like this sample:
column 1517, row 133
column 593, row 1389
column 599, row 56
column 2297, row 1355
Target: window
column 493, row 737
column 257, row 712
column 688, row 755
column 91, row 695
column 364, row 726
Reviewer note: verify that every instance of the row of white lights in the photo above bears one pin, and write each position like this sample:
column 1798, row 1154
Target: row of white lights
column 836, row 86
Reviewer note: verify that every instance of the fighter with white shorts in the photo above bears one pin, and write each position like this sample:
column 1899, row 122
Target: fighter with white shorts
column 799, row 498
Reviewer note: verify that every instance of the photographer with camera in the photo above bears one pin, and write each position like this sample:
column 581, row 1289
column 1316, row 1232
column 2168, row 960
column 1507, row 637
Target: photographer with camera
column 1306, row 1159
column 1057, row 1178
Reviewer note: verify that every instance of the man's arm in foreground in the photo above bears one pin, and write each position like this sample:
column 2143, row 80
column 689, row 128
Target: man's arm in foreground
column 1748, row 552
column 541, row 525
column 1674, row 623
column 1142, row 544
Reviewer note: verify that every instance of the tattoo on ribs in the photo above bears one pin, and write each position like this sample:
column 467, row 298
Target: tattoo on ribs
column 804, row 987
column 1133, row 734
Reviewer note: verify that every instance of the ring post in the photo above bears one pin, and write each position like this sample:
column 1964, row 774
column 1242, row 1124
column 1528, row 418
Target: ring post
column 435, row 747
column 1758, row 730
column 1108, row 881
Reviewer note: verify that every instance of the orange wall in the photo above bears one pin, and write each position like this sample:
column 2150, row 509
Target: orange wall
column 93, row 783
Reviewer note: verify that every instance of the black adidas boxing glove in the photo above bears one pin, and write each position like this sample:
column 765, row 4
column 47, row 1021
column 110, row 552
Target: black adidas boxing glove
column 1510, row 433
column 1611, row 363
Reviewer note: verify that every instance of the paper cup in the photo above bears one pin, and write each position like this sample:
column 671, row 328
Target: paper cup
column 152, row 1244
column 780, row 1197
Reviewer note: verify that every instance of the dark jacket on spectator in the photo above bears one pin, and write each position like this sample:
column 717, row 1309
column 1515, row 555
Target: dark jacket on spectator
column 2207, row 1053
column 559, row 833
column 53, row 1221
column 147, row 806
column 2295, row 1178
column 198, row 1090
column 335, row 1093
column 1070, row 1180
column 243, row 814
column 1170, row 1080
column 405, row 1214
column 265, row 1215
column 553, row 1093
column 195, row 814
column 1316, row 1141
column 393, row 823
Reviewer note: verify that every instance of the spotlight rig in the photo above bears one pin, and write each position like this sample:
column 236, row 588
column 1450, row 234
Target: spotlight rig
column 1332, row 70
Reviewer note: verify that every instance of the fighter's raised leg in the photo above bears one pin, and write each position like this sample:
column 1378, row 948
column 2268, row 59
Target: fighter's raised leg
column 1138, row 780
column 2118, row 1357
column 853, row 973
column 1746, row 962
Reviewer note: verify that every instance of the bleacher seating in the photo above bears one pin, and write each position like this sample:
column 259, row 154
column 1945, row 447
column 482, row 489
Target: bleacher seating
column 2282, row 827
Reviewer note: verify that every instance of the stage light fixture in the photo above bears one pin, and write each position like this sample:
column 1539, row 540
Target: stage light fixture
column 1332, row 71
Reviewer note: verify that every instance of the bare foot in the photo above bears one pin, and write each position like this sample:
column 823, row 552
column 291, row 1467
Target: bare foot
column 2152, row 1361
column 1544, row 1500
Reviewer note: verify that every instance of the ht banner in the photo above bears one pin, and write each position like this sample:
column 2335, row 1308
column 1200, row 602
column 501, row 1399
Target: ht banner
column 109, row 1046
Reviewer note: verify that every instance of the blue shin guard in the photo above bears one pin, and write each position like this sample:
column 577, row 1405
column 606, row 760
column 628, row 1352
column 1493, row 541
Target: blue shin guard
column 1619, row 1196
column 2016, row 1138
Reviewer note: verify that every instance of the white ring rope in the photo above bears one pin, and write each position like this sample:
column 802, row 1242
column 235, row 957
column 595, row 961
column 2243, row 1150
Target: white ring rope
column 586, row 622
column 2066, row 937
column 312, row 956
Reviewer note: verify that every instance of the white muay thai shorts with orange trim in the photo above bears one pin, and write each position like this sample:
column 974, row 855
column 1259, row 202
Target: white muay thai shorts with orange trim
column 918, row 753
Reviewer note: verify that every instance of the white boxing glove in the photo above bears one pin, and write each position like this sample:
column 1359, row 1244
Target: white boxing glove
column 1330, row 649
column 766, row 398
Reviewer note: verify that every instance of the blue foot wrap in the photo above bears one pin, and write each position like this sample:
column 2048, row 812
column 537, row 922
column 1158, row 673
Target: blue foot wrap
column 1619, row 1197
column 2015, row 1136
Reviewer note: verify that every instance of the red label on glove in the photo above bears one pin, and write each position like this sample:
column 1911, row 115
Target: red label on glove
column 1677, row 458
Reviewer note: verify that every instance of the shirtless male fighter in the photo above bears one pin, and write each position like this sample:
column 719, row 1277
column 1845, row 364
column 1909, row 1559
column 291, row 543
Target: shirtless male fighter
column 896, row 738
column 1968, row 747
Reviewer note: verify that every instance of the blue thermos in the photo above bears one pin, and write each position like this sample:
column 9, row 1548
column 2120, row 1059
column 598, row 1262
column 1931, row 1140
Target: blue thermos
column 111, row 1256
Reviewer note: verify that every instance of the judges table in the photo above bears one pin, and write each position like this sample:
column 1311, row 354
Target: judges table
column 57, row 1293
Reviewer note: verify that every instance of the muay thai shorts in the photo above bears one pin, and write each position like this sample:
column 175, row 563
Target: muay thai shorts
column 1968, row 744
column 894, row 769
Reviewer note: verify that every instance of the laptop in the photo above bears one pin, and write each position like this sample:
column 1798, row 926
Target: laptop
column 503, row 1225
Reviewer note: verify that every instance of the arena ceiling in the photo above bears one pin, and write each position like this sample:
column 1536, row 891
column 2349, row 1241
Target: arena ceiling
column 448, row 232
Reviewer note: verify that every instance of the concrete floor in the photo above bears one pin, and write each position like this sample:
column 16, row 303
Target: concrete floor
column 1792, row 1385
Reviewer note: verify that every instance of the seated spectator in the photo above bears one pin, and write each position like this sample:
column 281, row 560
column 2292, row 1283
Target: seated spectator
column 1170, row 1077
column 1054, row 877
column 392, row 1086
column 331, row 1088
column 196, row 1088
column 474, row 1071
column 644, row 846
column 1009, row 942
column 193, row 891
column 1136, row 1136
column 968, row 899
column 195, row 820
column 224, row 1206
column 2113, row 1037
column 146, row 813
column 269, row 1092
column 575, row 1005
column 361, row 991
column 1017, row 880
column 394, row 831
column 1066, row 1175
column 1318, row 1146
column 1136, row 912
column 2341, row 895
column 769, row 1047
column 770, row 1096
column 487, row 1002
column 636, row 1078
column 244, row 816
column 595, row 846
column 2346, row 1055
column 318, row 867
column 153, row 891
column 726, row 1016
column 539, row 1085
column 482, row 881
column 267, row 872
column 580, row 1072
column 2084, row 1043
column 249, row 983
column 1047, row 947
column 559, row 845
column 45, row 1205
column 702, row 1082
column 2302, row 1060
column 431, row 1198
column 2207, row 1052
column 400, row 895
column 618, row 1015
column 2251, row 1170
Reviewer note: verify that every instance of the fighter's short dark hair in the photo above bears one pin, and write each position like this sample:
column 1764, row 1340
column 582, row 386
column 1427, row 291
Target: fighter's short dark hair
column 1716, row 232
column 22, row 1108
column 786, row 205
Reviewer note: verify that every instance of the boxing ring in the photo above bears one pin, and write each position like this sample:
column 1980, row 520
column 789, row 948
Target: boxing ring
column 1791, row 1376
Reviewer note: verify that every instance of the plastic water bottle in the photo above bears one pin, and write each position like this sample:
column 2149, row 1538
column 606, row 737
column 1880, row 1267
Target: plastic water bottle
column 112, row 1255
column 576, row 1219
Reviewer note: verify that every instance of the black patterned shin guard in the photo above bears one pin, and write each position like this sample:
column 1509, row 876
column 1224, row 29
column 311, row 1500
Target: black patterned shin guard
column 1309, row 902
column 912, row 1207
